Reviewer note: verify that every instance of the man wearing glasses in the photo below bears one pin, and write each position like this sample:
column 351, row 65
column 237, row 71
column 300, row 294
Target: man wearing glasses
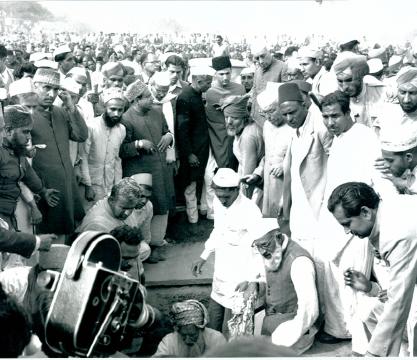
column 290, row 292
column 150, row 64
column 269, row 69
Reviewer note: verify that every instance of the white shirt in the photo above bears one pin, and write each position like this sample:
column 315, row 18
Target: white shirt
column 230, row 240
column 101, row 164
column 303, row 277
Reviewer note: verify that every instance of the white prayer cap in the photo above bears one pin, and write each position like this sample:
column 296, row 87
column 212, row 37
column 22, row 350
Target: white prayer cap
column 226, row 177
column 3, row 94
column 161, row 78
column 70, row 85
column 375, row 65
column 267, row 98
column 143, row 179
column 119, row 48
column 45, row 63
column 398, row 139
column 202, row 70
column 36, row 56
column 309, row 52
column 112, row 93
column 376, row 53
column 63, row 49
column 263, row 227
column 394, row 60
column 76, row 70
column 247, row 70
column 21, row 86
column 258, row 46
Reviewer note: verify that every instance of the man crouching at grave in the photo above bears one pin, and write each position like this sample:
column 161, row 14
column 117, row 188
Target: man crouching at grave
column 291, row 300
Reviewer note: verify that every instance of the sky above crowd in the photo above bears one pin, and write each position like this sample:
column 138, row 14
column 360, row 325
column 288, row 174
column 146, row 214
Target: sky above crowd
column 382, row 20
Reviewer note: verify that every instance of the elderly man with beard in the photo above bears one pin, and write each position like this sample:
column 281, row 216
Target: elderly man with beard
column 144, row 150
column 101, row 166
column 291, row 300
column 54, row 127
column 191, row 337
column 269, row 69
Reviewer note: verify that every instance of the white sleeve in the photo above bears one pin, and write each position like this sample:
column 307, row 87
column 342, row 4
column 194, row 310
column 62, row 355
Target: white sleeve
column 303, row 277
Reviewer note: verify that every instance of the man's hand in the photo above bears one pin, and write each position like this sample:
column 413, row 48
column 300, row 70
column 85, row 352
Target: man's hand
column 36, row 215
column 66, row 100
column 147, row 145
column 399, row 183
column 46, row 241
column 89, row 194
column 251, row 179
column 93, row 98
column 197, row 266
column 51, row 197
column 383, row 296
column 193, row 160
column 381, row 166
column 166, row 140
column 276, row 171
column 356, row 280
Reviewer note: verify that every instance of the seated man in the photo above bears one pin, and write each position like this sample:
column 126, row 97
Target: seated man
column 116, row 210
column 191, row 338
column 292, row 306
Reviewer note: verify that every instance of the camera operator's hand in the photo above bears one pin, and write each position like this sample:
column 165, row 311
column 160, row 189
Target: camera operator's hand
column 197, row 266
column 251, row 179
column 46, row 241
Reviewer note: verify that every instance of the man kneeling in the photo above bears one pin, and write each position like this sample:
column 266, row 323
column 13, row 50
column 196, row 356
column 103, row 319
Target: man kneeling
column 291, row 301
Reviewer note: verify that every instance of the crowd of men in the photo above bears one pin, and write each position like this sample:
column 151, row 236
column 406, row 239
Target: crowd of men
column 306, row 162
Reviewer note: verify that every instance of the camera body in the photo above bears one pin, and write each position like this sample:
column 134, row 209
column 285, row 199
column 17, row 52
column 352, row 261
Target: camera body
column 94, row 304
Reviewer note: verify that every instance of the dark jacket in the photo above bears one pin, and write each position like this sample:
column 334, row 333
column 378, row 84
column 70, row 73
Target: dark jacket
column 17, row 242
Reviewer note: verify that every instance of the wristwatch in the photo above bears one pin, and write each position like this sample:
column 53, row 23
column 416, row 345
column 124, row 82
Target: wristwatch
column 139, row 144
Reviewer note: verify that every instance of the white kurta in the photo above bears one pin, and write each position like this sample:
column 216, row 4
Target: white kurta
column 351, row 158
column 231, row 244
column 101, row 166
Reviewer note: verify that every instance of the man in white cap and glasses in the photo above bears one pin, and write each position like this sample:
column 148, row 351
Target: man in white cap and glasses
column 291, row 299
column 55, row 126
column 399, row 150
column 101, row 166
column 234, row 217
column 193, row 137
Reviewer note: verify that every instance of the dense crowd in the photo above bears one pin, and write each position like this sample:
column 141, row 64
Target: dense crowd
column 304, row 154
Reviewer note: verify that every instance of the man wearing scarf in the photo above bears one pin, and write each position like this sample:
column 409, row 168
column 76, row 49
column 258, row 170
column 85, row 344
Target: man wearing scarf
column 221, row 145
column 191, row 338
column 292, row 305
column 366, row 94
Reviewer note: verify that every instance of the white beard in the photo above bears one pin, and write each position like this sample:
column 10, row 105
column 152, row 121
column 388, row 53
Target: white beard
column 274, row 262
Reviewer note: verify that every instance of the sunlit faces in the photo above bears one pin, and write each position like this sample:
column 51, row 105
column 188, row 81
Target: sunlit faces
column 407, row 96
column 122, row 207
column 174, row 72
column 114, row 81
column 19, row 138
column 335, row 120
column 159, row 92
column 145, row 101
column 294, row 113
column 114, row 112
column 349, row 84
column 46, row 94
column 247, row 81
column 224, row 76
column 263, row 58
column 234, row 125
column 398, row 163
column 68, row 63
column 151, row 64
column 226, row 196
column 360, row 226
column 309, row 67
